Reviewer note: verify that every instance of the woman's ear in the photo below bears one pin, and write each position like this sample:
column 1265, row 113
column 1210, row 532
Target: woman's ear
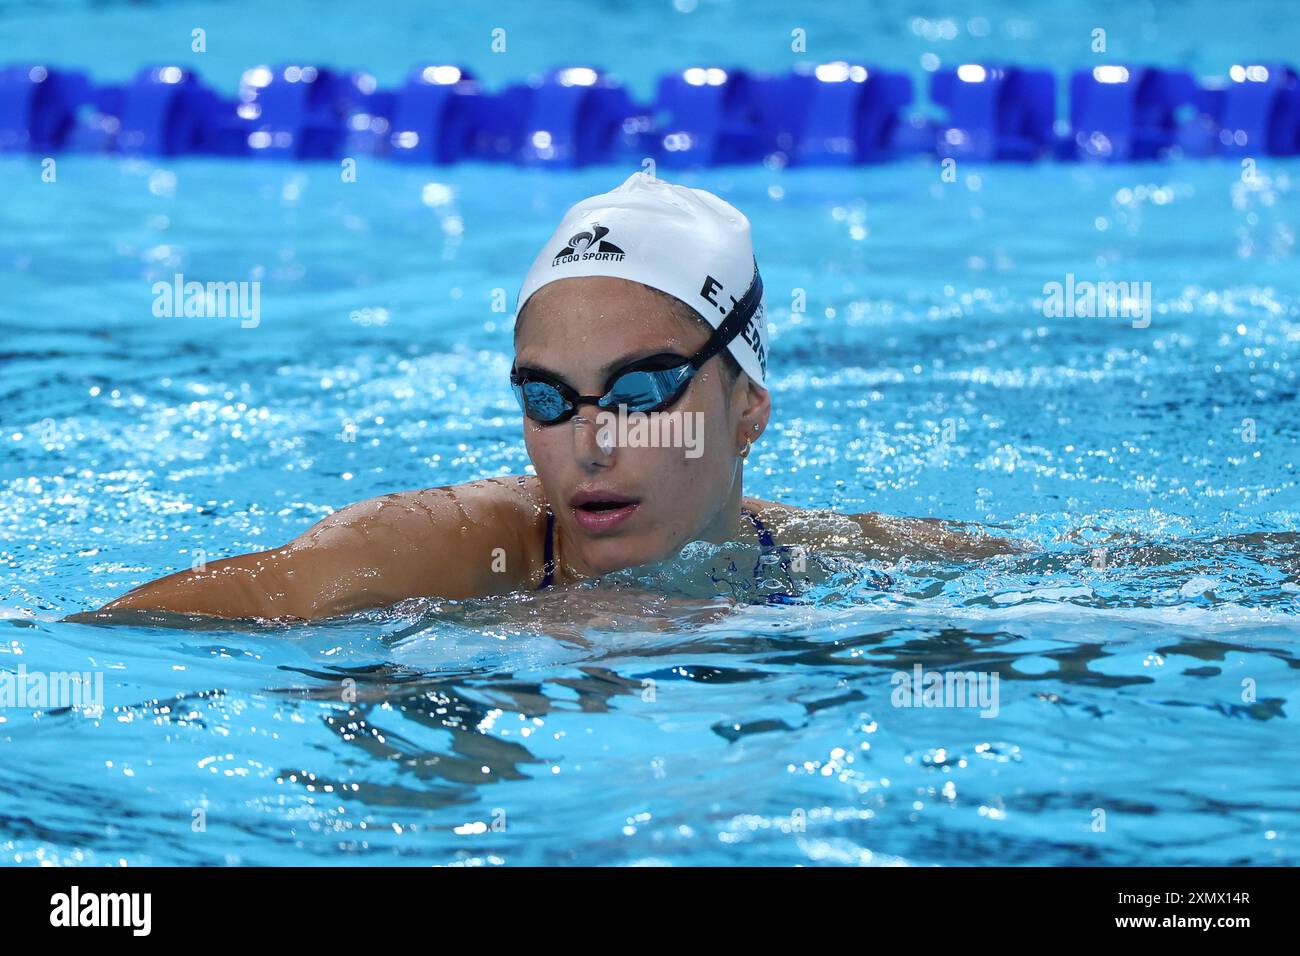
column 755, row 405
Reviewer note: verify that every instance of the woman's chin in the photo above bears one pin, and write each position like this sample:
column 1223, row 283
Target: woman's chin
column 606, row 558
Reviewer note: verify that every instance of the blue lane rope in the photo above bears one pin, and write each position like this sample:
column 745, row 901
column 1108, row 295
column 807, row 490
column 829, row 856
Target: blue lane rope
column 829, row 114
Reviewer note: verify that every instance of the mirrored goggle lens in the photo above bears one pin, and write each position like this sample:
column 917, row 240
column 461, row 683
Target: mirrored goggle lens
column 645, row 391
column 540, row 401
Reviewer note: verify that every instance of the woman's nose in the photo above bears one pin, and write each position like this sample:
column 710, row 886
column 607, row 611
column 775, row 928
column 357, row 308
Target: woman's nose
column 594, row 438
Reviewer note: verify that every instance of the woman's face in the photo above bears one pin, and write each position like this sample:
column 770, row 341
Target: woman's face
column 683, row 482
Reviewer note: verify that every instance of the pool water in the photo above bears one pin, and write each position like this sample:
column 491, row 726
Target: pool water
column 1145, row 651
column 631, row 723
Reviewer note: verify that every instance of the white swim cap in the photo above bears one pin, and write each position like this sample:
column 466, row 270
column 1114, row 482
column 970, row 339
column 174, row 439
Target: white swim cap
column 682, row 241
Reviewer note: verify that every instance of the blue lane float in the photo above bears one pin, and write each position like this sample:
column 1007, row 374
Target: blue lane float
column 435, row 117
column 577, row 116
column 848, row 113
column 710, row 117
column 38, row 106
column 1124, row 113
column 841, row 113
column 1260, row 104
column 832, row 114
column 163, row 111
column 995, row 112
column 296, row 111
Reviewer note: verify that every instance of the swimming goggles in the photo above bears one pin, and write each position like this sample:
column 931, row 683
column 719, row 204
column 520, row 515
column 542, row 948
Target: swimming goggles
column 646, row 385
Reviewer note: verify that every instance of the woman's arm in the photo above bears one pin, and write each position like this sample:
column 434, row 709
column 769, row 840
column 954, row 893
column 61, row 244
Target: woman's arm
column 928, row 539
column 445, row 542
column 886, row 537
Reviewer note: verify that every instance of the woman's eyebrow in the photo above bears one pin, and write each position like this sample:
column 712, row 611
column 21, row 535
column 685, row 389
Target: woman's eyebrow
column 602, row 373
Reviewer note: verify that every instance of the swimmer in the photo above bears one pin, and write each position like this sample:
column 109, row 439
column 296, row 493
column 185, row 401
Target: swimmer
column 641, row 374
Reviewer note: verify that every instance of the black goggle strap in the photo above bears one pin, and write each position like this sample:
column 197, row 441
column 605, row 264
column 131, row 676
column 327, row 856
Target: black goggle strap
column 734, row 323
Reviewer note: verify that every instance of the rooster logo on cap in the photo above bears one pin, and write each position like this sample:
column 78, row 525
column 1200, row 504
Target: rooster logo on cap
column 585, row 245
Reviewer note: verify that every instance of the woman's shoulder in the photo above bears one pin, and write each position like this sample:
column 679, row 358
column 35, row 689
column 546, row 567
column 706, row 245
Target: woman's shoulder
column 492, row 526
column 508, row 497
column 480, row 502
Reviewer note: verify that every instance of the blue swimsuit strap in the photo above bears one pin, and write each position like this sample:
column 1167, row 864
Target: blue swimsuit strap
column 765, row 540
column 769, row 544
column 764, row 536
column 550, row 550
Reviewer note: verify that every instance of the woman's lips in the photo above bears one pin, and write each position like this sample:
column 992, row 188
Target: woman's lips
column 606, row 519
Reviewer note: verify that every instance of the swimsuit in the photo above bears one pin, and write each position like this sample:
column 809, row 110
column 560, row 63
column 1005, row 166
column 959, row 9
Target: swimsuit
column 769, row 546
column 550, row 551
column 765, row 540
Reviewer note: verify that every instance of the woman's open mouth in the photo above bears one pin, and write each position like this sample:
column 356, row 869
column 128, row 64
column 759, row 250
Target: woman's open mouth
column 597, row 512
